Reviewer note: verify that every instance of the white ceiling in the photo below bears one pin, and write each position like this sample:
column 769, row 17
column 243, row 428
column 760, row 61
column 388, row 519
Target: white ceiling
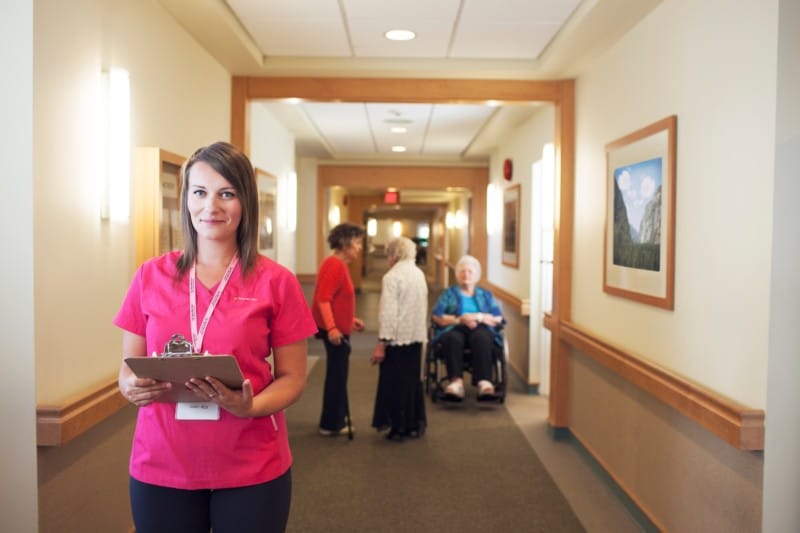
column 490, row 39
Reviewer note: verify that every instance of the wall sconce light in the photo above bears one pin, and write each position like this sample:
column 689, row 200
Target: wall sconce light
column 115, row 204
column 372, row 227
column 461, row 220
column 334, row 216
column 397, row 228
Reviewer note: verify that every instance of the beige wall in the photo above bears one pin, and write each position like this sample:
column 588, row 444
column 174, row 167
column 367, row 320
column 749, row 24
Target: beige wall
column 272, row 149
column 180, row 100
column 723, row 91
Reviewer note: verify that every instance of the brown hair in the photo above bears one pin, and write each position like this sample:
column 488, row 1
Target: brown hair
column 343, row 234
column 233, row 165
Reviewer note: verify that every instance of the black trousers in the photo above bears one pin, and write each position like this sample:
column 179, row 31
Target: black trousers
column 479, row 340
column 334, row 394
column 399, row 402
column 262, row 508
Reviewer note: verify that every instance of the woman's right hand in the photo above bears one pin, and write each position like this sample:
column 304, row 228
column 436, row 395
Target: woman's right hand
column 140, row 391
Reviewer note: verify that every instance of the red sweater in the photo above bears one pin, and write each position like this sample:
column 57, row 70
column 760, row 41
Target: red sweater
column 335, row 287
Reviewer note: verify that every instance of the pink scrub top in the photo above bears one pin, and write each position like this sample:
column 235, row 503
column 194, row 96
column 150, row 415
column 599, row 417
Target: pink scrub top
column 264, row 310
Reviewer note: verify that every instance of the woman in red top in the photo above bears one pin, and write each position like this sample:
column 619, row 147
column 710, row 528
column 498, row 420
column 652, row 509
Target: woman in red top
column 333, row 307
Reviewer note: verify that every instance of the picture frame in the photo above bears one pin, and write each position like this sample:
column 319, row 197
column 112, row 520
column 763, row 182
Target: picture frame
column 639, row 237
column 267, row 185
column 156, row 202
column 511, row 227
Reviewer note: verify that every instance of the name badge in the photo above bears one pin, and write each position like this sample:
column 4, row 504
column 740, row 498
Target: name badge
column 196, row 411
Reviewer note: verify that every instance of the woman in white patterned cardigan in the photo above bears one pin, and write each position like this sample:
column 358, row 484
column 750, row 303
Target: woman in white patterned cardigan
column 403, row 328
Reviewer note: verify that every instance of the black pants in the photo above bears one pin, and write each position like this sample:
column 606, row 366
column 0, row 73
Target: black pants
column 479, row 340
column 399, row 402
column 260, row 508
column 334, row 395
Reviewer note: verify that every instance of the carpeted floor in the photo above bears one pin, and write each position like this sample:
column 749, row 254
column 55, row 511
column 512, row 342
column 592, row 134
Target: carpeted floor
column 473, row 470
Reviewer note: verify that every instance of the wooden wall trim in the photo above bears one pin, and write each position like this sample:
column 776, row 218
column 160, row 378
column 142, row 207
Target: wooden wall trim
column 518, row 305
column 58, row 424
column 734, row 423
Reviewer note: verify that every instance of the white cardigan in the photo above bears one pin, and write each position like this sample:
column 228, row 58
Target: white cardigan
column 403, row 308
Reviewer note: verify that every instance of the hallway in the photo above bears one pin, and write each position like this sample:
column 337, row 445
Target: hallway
column 592, row 500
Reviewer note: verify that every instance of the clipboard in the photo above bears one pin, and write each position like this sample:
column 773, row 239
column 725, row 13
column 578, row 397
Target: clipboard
column 178, row 370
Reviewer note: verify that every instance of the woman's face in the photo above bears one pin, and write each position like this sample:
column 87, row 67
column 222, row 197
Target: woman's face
column 467, row 276
column 353, row 249
column 213, row 204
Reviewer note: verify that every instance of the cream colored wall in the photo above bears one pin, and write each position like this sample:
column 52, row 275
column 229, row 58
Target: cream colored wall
column 180, row 100
column 18, row 495
column 715, row 69
column 272, row 149
column 524, row 147
column 307, row 224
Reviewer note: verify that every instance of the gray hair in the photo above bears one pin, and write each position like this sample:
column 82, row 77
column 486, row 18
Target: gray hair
column 471, row 261
column 401, row 248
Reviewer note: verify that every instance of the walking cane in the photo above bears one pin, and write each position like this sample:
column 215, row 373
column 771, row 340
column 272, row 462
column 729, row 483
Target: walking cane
column 346, row 342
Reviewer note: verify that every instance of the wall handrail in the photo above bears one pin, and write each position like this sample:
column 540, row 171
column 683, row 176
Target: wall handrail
column 736, row 424
column 58, row 424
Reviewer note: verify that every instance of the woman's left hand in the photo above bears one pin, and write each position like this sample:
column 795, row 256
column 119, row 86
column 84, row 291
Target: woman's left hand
column 210, row 389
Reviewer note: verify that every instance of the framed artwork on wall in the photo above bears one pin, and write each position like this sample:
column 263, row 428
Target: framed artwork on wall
column 156, row 202
column 510, row 238
column 639, row 240
column 267, row 212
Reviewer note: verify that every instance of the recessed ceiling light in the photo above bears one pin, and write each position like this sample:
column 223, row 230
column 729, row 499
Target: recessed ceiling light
column 399, row 129
column 293, row 100
column 398, row 148
column 400, row 35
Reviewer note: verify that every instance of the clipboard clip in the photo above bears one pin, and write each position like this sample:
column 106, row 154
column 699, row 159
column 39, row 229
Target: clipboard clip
column 177, row 346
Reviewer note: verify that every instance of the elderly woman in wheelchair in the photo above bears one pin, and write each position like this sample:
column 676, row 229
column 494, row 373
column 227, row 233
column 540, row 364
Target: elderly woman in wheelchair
column 467, row 318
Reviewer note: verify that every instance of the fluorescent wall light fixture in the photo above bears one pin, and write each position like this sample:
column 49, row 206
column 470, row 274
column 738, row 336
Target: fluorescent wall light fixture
column 397, row 228
column 116, row 201
column 372, row 227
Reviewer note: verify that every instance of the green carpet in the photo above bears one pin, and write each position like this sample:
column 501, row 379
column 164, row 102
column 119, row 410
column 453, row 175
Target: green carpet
column 473, row 470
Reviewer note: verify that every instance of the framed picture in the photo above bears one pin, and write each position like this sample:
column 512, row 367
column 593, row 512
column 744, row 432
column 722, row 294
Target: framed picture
column 511, row 226
column 639, row 242
column 267, row 212
column 156, row 202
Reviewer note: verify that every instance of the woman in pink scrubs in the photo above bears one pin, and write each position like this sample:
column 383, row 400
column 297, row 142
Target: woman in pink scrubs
column 223, row 462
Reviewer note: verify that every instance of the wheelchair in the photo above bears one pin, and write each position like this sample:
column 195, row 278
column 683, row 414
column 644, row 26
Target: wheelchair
column 436, row 371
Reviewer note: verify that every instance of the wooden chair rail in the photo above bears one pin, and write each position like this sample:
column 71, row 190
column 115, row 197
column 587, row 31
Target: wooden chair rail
column 518, row 305
column 58, row 424
column 736, row 424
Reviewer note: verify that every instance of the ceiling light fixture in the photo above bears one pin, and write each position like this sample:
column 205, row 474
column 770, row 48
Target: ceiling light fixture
column 399, row 129
column 398, row 148
column 400, row 35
